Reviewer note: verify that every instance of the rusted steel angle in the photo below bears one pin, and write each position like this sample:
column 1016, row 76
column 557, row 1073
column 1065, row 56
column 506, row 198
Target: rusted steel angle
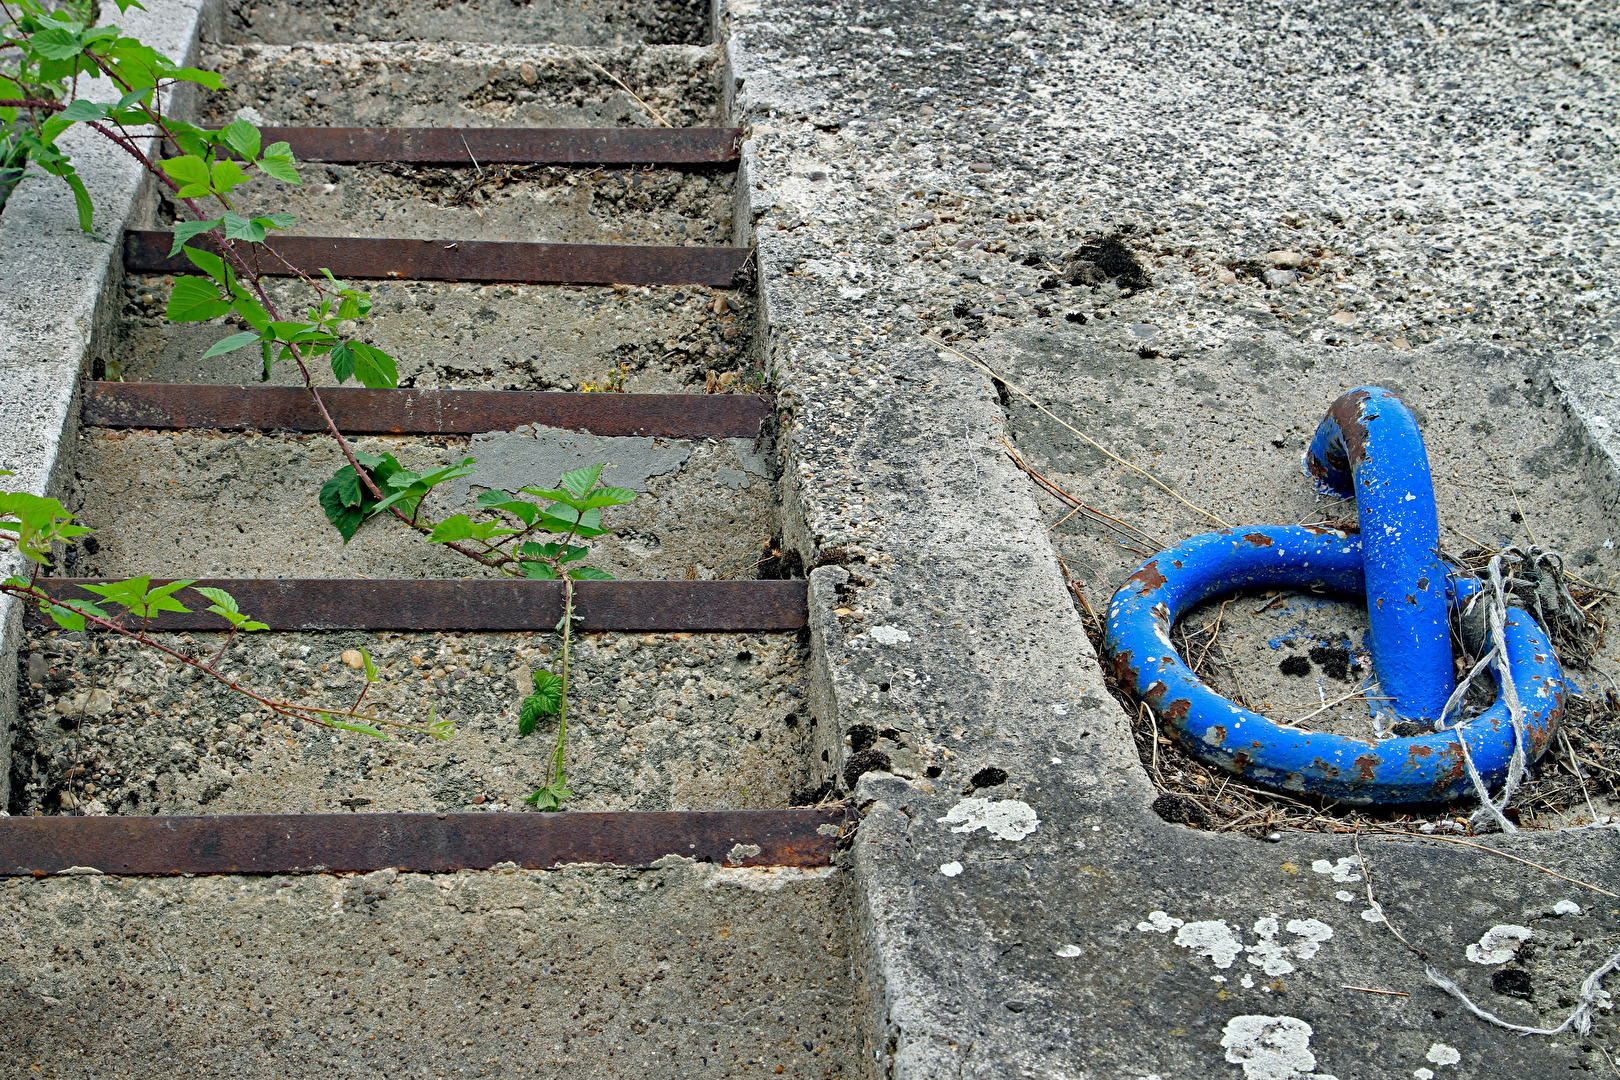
column 443, row 604
column 424, row 843
column 175, row 406
column 147, row 252
column 609, row 147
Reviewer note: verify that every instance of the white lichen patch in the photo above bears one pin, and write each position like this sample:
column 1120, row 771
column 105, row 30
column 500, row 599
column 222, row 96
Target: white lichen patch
column 1270, row 1047
column 1374, row 914
column 888, row 635
column 1218, row 941
column 1068, row 952
column 1273, row 957
column 1342, row 871
column 1004, row 819
column 1346, row 895
column 1159, row 922
column 1441, row 1054
column 1211, row 938
column 1499, row 944
column 950, row 869
column 1566, row 907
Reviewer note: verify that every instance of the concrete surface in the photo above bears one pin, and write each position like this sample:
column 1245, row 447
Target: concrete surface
column 657, row 722
column 554, row 206
column 226, row 504
column 917, row 168
column 686, row 970
column 581, row 22
column 466, row 336
column 409, row 84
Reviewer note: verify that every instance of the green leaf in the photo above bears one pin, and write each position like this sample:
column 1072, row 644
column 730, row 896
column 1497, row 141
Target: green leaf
column 609, row 496
column 226, row 175
column 242, row 137
column 525, row 512
column 210, row 80
column 188, row 169
column 56, row 44
column 373, row 367
column 364, row 729
column 545, row 701
column 277, row 221
column 342, row 358
column 82, row 110
column 238, row 227
column 278, row 164
column 580, row 481
column 461, row 527
column 224, row 605
column 139, row 597
column 546, row 493
column 231, row 344
column 81, row 201
column 539, row 571
column 208, row 263
column 250, row 310
column 550, row 797
column 589, row 573
column 185, row 230
column 37, row 522
column 341, row 499
column 61, row 616
column 371, row 668
column 195, row 300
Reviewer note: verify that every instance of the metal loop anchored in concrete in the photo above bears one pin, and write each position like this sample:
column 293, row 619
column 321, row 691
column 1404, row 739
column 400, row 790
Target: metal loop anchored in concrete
column 1369, row 446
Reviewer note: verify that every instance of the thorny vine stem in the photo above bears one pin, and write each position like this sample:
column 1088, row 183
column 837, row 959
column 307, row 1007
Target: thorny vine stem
column 294, row 712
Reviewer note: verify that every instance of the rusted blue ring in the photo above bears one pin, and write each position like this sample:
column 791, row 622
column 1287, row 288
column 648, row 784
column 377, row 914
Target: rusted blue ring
column 1419, row 769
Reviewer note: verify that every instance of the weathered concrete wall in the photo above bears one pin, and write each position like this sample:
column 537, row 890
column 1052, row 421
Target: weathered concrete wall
column 915, row 168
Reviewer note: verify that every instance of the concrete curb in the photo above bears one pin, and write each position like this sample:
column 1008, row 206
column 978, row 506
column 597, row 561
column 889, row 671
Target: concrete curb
column 55, row 286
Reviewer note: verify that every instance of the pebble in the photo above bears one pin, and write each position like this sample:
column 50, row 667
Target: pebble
column 527, row 73
column 353, row 658
column 1285, row 259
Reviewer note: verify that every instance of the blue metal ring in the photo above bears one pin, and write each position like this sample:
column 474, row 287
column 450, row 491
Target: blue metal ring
column 1368, row 447
column 1420, row 769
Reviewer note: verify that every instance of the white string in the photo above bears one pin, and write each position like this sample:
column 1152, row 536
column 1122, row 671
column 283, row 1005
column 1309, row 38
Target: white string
column 1496, row 656
column 1592, row 997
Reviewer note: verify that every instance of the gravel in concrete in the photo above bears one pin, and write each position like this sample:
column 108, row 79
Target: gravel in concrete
column 466, row 336
column 581, row 22
column 657, row 722
column 226, row 504
column 433, row 85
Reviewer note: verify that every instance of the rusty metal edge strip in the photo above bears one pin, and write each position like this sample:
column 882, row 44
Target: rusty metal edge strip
column 181, row 406
column 571, row 147
column 438, row 604
column 420, row 843
column 389, row 259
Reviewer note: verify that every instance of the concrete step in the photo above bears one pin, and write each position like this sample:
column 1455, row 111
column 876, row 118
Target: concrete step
column 415, row 85
column 678, row 971
column 568, row 22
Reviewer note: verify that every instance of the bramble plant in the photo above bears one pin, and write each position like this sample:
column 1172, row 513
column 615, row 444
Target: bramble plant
column 44, row 52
